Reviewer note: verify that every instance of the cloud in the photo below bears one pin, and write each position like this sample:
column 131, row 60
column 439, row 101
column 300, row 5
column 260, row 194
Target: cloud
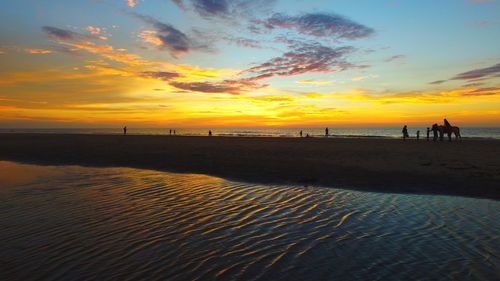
column 318, row 25
column 61, row 34
column 243, row 42
column 393, row 58
column 233, row 87
column 37, row 51
column 304, row 58
column 132, row 3
column 161, row 75
column 424, row 97
column 492, row 71
column 211, row 7
column 314, row 82
column 55, row 33
column 437, row 82
column 224, row 8
column 166, row 37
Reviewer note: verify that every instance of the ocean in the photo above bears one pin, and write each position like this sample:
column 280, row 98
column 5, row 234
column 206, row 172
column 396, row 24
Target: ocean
column 466, row 132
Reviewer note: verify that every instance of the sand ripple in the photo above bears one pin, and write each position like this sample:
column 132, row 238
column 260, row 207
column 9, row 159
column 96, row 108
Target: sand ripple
column 74, row 223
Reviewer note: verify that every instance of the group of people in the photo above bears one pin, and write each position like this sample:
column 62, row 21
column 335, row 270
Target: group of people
column 438, row 131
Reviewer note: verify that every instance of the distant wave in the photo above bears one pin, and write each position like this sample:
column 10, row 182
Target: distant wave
column 490, row 133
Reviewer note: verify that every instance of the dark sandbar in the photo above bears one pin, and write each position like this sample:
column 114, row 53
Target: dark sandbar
column 468, row 168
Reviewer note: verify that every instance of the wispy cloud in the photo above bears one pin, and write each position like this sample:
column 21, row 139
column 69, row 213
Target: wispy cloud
column 319, row 25
column 167, row 37
column 394, row 58
column 37, row 51
column 161, row 75
column 314, row 82
column 492, row 71
column 420, row 97
column 224, row 8
column 132, row 3
column 233, row 87
column 304, row 58
column 58, row 33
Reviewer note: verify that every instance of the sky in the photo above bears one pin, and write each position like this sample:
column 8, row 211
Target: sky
column 242, row 63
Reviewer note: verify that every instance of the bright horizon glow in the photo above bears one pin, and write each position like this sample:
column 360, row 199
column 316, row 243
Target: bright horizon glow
column 252, row 64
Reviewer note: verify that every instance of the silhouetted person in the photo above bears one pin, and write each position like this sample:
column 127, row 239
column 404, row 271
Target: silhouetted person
column 125, row 130
column 435, row 130
column 307, row 135
column 300, row 133
column 428, row 133
column 174, row 132
column 449, row 128
column 418, row 135
column 405, row 132
column 170, row 132
column 209, row 133
column 326, row 132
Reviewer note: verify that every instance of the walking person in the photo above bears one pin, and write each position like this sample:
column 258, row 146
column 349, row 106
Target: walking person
column 418, row 134
column 300, row 133
column 326, row 132
column 125, row 130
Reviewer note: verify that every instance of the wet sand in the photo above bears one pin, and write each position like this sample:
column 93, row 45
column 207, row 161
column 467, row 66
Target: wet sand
column 468, row 168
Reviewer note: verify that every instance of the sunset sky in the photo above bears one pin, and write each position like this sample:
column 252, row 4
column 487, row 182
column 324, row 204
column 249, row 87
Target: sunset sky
column 236, row 63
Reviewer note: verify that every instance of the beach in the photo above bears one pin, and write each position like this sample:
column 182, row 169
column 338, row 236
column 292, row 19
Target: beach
column 467, row 168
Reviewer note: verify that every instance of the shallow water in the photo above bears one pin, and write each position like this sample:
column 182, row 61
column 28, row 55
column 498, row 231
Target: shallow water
column 78, row 223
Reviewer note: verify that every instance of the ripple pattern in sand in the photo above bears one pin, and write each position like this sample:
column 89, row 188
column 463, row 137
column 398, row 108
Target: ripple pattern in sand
column 79, row 223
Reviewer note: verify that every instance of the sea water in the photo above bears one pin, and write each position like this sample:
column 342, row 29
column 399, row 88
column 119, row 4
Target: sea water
column 81, row 223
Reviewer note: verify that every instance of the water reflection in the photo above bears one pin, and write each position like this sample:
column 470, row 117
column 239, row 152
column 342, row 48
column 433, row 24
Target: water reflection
column 115, row 223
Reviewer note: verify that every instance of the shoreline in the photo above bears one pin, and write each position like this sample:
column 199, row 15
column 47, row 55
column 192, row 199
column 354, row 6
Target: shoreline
column 468, row 168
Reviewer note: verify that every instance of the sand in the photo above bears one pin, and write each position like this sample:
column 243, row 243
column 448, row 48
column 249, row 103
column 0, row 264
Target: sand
column 467, row 168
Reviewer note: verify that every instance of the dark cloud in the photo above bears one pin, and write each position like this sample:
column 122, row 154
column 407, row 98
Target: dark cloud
column 243, row 42
column 437, row 82
column 224, row 8
column 58, row 33
column 161, row 75
column 304, row 58
column 233, row 87
column 488, row 91
column 492, row 71
column 211, row 7
column 318, row 25
column 172, row 39
column 393, row 58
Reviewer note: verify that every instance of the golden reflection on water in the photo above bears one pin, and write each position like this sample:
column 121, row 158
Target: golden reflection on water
column 14, row 174
column 73, row 222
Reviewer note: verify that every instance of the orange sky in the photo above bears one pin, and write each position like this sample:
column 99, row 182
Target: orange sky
column 129, row 69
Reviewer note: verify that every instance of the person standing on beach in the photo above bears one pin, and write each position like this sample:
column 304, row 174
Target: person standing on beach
column 448, row 127
column 300, row 133
column 428, row 132
column 209, row 133
column 434, row 132
column 326, row 132
column 418, row 134
column 125, row 130
column 170, row 132
column 405, row 132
